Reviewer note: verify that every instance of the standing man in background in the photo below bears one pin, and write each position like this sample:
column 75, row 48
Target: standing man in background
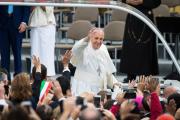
column 13, row 23
column 139, row 53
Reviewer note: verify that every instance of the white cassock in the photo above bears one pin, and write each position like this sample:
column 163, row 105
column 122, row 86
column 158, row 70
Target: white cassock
column 94, row 68
column 42, row 36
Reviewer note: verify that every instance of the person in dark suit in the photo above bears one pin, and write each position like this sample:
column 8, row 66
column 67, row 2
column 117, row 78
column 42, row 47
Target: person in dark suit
column 13, row 20
column 139, row 55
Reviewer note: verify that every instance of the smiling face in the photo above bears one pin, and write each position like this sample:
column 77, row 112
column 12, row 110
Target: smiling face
column 97, row 37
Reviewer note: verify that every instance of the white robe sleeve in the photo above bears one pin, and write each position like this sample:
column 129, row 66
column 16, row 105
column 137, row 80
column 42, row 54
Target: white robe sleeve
column 50, row 15
column 78, row 50
column 110, row 66
column 111, row 80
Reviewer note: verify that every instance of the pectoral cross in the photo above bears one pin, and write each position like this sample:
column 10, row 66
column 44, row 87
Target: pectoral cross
column 99, row 71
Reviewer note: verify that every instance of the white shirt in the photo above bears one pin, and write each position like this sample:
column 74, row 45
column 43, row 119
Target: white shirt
column 39, row 17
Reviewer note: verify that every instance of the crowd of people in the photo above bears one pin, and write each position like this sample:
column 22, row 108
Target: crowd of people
column 142, row 100
column 39, row 97
column 94, row 93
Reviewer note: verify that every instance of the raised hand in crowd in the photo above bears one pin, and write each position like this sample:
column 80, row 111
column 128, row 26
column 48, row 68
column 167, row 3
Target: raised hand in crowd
column 36, row 62
column 120, row 97
column 57, row 89
column 48, row 98
column 171, row 107
column 126, row 107
column 177, row 115
column 153, row 85
column 141, row 83
column 68, row 105
column 131, row 84
column 155, row 106
column 66, row 58
column 75, row 113
column 108, row 115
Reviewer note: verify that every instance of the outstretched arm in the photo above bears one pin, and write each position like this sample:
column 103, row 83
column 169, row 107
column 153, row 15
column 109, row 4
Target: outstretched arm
column 37, row 78
column 65, row 60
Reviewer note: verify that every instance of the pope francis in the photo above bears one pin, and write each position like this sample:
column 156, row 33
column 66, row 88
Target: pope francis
column 94, row 66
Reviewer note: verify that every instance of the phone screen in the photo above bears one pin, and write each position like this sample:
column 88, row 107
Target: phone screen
column 108, row 96
column 130, row 94
column 79, row 100
column 1, row 108
column 97, row 101
column 82, row 102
